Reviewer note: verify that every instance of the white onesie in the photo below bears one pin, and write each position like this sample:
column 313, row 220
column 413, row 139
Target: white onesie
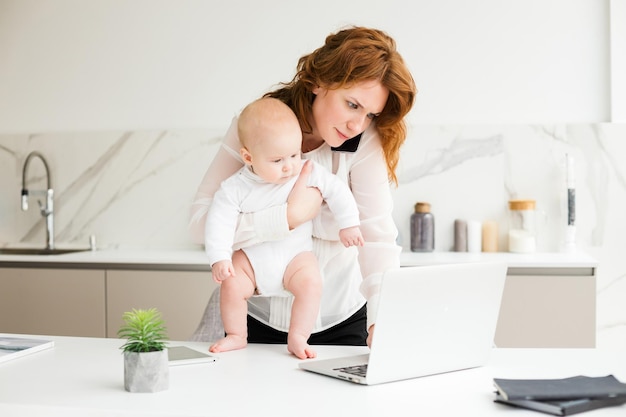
column 246, row 192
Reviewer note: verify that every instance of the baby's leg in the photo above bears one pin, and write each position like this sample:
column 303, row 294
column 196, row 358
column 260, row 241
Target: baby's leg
column 234, row 293
column 304, row 281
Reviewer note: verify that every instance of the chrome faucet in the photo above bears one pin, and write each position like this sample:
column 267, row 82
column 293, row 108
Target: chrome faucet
column 47, row 211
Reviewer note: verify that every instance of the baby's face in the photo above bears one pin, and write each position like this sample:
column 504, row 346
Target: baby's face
column 277, row 159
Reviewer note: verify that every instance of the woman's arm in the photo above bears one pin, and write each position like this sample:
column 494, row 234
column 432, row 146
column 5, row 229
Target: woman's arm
column 304, row 202
column 371, row 189
column 225, row 163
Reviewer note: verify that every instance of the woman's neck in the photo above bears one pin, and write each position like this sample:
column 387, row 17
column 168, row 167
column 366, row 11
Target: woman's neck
column 311, row 142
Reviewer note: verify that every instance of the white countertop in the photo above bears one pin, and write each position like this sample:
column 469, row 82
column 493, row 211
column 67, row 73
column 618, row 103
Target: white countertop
column 195, row 259
column 577, row 259
column 84, row 377
column 177, row 259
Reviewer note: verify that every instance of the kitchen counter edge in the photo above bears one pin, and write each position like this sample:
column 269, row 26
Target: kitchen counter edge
column 195, row 259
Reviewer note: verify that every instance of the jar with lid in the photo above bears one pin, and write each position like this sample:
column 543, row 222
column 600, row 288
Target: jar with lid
column 422, row 229
column 522, row 226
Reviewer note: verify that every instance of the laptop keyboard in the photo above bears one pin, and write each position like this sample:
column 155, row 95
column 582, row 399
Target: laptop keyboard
column 358, row 370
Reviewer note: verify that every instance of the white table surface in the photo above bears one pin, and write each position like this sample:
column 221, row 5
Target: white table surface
column 84, row 377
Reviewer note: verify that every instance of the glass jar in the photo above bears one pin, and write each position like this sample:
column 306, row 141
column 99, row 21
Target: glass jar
column 522, row 226
column 422, row 229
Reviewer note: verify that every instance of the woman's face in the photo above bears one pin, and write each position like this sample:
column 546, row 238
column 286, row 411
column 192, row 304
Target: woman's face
column 341, row 114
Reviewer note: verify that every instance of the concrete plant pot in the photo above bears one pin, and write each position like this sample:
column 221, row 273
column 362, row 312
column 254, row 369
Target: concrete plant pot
column 146, row 371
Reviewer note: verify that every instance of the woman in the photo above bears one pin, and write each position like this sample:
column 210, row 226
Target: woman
column 350, row 97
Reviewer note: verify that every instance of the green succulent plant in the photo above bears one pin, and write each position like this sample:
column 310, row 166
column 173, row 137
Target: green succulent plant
column 144, row 330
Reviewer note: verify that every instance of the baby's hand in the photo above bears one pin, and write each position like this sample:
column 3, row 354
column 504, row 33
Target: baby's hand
column 351, row 236
column 222, row 270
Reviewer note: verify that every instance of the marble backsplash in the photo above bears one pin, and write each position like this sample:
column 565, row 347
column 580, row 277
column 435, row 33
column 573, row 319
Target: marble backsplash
column 134, row 188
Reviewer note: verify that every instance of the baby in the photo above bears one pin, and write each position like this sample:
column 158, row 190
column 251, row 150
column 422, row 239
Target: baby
column 271, row 141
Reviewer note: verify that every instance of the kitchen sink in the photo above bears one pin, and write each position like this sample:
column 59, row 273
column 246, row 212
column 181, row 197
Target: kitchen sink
column 38, row 251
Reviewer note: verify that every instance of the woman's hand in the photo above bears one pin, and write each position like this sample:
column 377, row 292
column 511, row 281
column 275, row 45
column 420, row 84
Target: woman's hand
column 303, row 203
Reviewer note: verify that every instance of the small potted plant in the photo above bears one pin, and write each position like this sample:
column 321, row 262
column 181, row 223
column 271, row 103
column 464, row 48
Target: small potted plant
column 145, row 354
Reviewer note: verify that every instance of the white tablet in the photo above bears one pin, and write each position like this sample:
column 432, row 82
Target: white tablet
column 183, row 355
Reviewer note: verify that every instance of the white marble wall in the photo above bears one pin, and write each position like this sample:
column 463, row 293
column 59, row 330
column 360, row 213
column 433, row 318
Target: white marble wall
column 470, row 172
column 133, row 189
column 129, row 189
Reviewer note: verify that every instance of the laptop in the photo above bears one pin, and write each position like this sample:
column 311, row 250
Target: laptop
column 431, row 319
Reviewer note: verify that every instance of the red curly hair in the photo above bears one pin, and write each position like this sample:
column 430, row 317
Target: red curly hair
column 347, row 57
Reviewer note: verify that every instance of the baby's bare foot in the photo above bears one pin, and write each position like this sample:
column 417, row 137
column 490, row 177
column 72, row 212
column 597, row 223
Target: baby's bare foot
column 298, row 346
column 230, row 342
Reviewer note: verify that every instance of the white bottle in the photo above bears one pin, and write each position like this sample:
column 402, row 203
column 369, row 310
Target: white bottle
column 474, row 236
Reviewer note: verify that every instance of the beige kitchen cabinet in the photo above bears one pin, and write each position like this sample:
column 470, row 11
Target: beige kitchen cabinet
column 67, row 302
column 181, row 296
column 548, row 308
column 549, row 300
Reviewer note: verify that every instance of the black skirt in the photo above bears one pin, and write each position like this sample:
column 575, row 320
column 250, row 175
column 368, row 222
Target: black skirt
column 350, row 332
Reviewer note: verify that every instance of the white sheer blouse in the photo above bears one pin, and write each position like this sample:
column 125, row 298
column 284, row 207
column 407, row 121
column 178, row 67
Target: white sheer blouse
column 351, row 275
